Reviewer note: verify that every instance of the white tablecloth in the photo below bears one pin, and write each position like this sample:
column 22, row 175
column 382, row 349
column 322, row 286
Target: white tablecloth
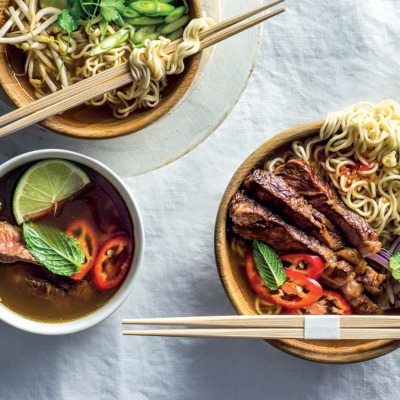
column 319, row 56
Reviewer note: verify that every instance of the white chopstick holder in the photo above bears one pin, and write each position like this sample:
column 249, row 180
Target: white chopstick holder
column 321, row 327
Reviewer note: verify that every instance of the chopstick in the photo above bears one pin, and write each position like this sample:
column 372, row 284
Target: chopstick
column 116, row 77
column 269, row 327
column 265, row 333
column 268, row 321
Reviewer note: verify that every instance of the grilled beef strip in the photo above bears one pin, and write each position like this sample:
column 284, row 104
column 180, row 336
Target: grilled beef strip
column 275, row 193
column 352, row 291
column 338, row 274
column 341, row 276
column 372, row 281
column 60, row 289
column 12, row 246
column 304, row 180
column 252, row 220
column 353, row 257
column 363, row 305
column 45, row 290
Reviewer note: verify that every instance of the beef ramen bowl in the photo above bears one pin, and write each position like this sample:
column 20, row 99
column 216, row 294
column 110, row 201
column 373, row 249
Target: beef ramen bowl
column 250, row 217
column 71, row 242
column 29, row 69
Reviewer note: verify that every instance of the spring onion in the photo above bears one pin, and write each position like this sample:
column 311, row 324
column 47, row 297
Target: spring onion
column 152, row 8
column 103, row 26
column 129, row 12
column 151, row 36
column 175, row 15
column 111, row 41
column 169, row 28
column 175, row 35
column 144, row 21
column 143, row 33
column 119, row 20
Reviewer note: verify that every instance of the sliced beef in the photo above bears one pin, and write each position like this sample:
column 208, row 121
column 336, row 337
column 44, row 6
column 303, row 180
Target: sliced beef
column 60, row 289
column 252, row 220
column 337, row 240
column 276, row 194
column 372, row 281
column 303, row 179
column 363, row 305
column 12, row 246
column 79, row 289
column 45, row 290
column 337, row 274
column 342, row 278
column 352, row 289
column 353, row 257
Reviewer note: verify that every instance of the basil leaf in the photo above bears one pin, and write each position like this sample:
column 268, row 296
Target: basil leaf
column 269, row 265
column 394, row 264
column 58, row 252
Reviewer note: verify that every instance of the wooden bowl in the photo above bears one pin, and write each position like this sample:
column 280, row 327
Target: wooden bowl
column 239, row 290
column 81, row 124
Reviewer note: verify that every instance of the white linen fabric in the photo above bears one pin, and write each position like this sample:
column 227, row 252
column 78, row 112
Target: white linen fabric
column 321, row 55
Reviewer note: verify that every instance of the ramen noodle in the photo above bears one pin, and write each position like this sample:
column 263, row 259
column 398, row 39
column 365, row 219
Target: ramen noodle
column 357, row 151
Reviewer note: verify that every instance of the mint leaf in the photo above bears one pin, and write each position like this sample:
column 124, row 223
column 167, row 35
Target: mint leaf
column 58, row 252
column 394, row 264
column 269, row 265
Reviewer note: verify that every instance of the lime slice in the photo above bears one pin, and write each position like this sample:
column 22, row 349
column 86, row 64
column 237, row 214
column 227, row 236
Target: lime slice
column 45, row 184
column 61, row 4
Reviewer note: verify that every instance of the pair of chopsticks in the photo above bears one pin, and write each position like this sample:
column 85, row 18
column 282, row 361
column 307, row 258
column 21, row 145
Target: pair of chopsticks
column 119, row 76
column 268, row 327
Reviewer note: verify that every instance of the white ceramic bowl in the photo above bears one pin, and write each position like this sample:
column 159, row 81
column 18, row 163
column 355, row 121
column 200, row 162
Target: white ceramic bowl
column 80, row 324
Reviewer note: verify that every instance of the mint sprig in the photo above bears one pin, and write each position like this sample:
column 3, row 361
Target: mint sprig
column 269, row 265
column 58, row 252
column 394, row 264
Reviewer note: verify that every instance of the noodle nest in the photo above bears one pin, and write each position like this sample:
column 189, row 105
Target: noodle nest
column 357, row 152
column 37, row 33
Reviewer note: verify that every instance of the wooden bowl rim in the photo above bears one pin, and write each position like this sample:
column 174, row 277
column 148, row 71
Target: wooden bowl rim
column 300, row 348
column 106, row 129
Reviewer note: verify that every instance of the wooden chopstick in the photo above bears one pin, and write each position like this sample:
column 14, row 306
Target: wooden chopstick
column 66, row 104
column 220, row 36
column 269, row 326
column 269, row 321
column 116, row 77
column 227, row 24
column 60, row 95
column 266, row 333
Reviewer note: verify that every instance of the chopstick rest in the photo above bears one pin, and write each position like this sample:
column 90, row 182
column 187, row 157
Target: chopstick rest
column 319, row 327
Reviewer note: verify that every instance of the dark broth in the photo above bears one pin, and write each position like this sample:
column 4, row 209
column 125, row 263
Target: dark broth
column 100, row 205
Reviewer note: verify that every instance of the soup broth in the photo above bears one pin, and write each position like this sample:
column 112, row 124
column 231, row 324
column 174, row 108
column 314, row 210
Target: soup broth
column 100, row 206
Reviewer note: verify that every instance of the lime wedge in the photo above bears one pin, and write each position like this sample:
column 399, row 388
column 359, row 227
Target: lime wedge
column 45, row 184
column 61, row 4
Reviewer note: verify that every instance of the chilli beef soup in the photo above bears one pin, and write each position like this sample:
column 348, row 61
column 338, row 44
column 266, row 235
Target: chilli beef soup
column 66, row 241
